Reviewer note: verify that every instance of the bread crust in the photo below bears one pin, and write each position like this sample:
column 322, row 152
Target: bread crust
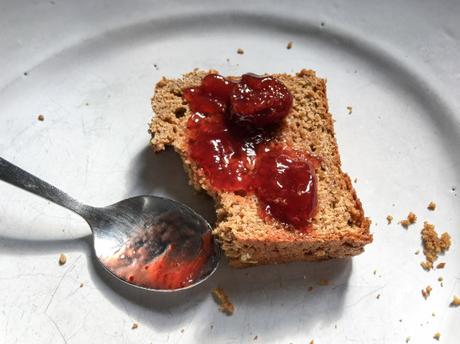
column 340, row 228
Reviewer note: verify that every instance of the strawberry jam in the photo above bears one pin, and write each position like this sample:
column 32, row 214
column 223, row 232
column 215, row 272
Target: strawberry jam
column 230, row 136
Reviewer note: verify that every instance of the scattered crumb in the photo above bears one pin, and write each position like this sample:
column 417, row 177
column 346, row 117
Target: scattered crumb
column 323, row 282
column 431, row 206
column 222, row 299
column 289, row 45
column 437, row 335
column 135, row 325
column 350, row 109
column 375, row 272
column 378, row 296
column 433, row 314
column 455, row 301
column 255, row 337
column 87, row 104
column 412, row 217
column 433, row 245
column 405, row 223
column 440, row 279
column 62, row 259
column 182, row 331
column 310, row 288
column 407, row 339
column 400, row 320
column 81, row 285
column 25, row 73
column 426, row 292
column 41, row 118
column 355, row 180
column 240, row 51
column 227, row 59
column 312, row 341
column 441, row 265
column 335, row 326
column 417, row 252
column 389, row 219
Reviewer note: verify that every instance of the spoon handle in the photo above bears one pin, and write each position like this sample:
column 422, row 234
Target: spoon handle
column 14, row 175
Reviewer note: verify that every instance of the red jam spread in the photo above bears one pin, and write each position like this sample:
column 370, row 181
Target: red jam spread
column 230, row 137
column 181, row 263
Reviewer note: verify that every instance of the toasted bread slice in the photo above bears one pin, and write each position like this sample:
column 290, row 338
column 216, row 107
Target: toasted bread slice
column 340, row 228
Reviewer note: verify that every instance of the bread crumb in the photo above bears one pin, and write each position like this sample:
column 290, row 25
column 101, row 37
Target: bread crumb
column 41, row 118
column 222, row 299
column 135, row 325
column 389, row 219
column 437, row 335
column 405, row 223
column 182, row 331
column 426, row 292
column 81, row 285
column 411, row 219
column 255, row 337
column 323, row 282
column 378, row 296
column 407, row 339
column 355, row 180
column 62, row 259
column 375, row 272
column 441, row 265
column 240, row 51
column 350, row 109
column 289, row 45
column 312, row 341
column 455, row 301
column 433, row 314
column 417, row 252
column 431, row 206
column 433, row 245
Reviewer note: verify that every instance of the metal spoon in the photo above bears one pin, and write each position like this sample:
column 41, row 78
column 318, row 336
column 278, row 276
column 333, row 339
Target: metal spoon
column 146, row 241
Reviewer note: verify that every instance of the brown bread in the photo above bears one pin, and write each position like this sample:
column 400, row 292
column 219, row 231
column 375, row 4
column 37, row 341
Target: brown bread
column 340, row 228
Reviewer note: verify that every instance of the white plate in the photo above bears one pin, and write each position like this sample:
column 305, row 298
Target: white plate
column 90, row 72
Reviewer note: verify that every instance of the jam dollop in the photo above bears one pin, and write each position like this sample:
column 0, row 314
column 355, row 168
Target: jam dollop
column 231, row 137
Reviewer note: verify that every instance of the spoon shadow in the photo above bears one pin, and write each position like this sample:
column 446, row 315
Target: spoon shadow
column 162, row 174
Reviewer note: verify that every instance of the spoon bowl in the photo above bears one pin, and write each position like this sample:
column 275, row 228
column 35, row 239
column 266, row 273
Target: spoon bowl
column 148, row 242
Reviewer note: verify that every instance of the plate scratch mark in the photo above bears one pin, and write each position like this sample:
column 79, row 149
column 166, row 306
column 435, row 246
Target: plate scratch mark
column 364, row 296
column 60, row 281
column 57, row 328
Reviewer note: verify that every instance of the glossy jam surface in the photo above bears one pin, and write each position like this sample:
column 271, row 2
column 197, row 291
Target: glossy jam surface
column 149, row 263
column 230, row 137
column 285, row 184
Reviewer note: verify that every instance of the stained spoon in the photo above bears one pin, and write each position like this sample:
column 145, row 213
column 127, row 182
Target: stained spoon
column 148, row 242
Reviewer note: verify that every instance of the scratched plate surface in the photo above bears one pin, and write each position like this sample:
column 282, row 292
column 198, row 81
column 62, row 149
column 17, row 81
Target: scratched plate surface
column 89, row 67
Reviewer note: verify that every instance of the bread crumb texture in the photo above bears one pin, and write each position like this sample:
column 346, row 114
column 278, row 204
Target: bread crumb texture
column 409, row 220
column 433, row 245
column 437, row 335
column 431, row 206
column 41, row 118
column 223, row 300
column 240, row 51
column 134, row 326
column 289, row 45
column 426, row 292
column 340, row 228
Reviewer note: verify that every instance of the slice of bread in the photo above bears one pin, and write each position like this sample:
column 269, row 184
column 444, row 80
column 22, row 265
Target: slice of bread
column 340, row 228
